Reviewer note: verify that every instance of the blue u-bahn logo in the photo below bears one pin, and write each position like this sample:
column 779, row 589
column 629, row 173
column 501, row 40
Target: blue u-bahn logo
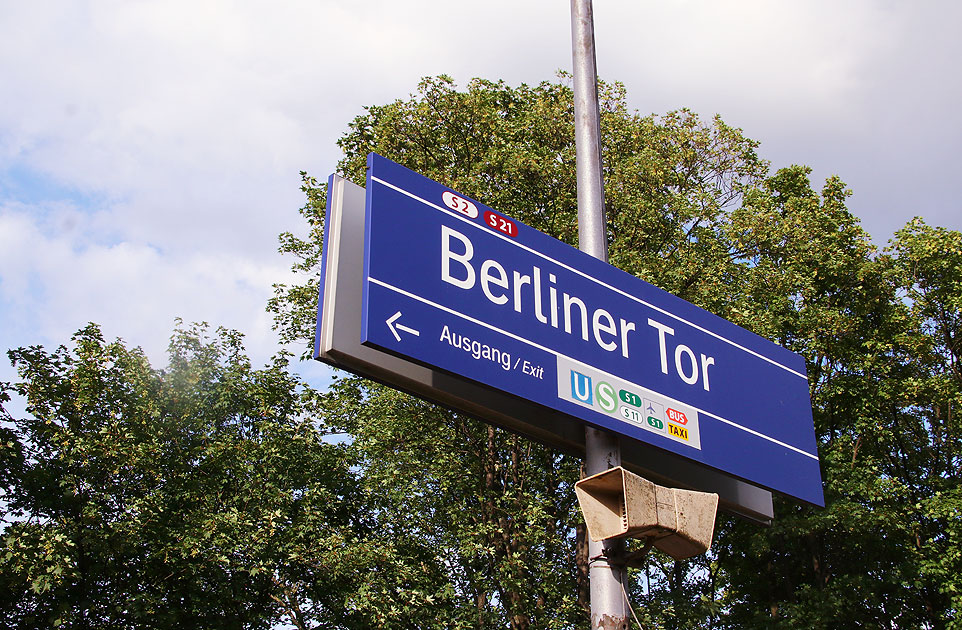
column 581, row 387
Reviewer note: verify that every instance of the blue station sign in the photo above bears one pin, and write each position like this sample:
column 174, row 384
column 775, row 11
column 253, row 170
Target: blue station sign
column 460, row 287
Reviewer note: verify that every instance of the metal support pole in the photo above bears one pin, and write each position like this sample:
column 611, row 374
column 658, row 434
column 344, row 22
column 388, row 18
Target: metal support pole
column 591, row 187
column 602, row 450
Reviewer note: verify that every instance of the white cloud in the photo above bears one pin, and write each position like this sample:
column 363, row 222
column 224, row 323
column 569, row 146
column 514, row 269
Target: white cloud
column 54, row 281
column 162, row 140
column 865, row 89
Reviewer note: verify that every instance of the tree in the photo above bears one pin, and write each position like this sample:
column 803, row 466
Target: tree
column 204, row 494
column 926, row 268
column 502, row 508
column 693, row 209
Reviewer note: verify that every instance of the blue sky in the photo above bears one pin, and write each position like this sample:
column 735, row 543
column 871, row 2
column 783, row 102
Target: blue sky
column 149, row 151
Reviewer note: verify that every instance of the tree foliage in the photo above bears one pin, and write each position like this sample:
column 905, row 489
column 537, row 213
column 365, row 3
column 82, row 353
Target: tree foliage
column 693, row 209
column 204, row 494
column 514, row 149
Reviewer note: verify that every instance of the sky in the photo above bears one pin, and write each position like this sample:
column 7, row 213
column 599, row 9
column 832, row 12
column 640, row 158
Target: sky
column 150, row 150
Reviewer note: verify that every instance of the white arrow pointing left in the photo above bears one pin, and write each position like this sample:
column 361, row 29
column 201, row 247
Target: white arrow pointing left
column 395, row 327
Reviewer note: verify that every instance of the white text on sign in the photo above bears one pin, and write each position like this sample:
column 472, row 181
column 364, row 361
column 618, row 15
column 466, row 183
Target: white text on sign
column 537, row 294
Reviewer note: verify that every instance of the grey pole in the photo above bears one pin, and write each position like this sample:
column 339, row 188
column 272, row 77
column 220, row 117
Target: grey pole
column 602, row 450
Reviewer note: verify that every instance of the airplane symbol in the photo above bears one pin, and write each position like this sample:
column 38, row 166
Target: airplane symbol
column 395, row 327
column 651, row 410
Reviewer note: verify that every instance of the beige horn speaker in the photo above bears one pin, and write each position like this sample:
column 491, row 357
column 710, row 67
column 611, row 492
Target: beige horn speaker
column 620, row 504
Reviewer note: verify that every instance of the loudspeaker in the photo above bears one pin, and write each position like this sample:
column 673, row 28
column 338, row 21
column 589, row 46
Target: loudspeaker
column 620, row 504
